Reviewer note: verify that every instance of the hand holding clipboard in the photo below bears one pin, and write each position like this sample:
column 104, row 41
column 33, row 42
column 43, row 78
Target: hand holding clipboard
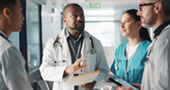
column 123, row 83
column 114, row 81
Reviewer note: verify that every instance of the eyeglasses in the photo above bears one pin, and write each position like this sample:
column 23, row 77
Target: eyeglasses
column 146, row 4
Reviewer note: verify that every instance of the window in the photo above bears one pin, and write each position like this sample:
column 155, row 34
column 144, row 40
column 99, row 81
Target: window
column 33, row 35
column 103, row 25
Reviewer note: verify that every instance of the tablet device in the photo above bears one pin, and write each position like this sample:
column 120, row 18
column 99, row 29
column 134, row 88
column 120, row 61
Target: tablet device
column 114, row 81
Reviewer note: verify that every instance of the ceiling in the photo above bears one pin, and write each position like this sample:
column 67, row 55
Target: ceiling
column 106, row 4
column 118, row 6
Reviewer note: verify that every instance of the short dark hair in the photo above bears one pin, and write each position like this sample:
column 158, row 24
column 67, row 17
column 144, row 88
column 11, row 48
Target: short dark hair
column 7, row 3
column 71, row 5
column 144, row 34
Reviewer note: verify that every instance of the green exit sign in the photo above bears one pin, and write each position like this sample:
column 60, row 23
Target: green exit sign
column 95, row 5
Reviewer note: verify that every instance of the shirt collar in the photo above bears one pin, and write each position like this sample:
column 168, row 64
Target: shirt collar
column 160, row 28
column 68, row 34
column 4, row 36
column 3, row 33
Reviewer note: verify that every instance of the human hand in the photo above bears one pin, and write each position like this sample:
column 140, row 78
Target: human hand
column 122, row 88
column 74, row 67
column 89, row 86
column 136, row 85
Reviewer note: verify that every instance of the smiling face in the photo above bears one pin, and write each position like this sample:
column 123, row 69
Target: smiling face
column 74, row 19
column 129, row 27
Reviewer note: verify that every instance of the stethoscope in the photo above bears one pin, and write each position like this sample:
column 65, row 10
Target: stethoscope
column 62, row 61
column 92, row 51
column 4, row 37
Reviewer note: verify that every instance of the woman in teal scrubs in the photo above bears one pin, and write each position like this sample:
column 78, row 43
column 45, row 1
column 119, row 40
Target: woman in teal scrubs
column 130, row 56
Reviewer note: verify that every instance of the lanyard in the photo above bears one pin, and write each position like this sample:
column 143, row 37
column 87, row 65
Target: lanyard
column 128, row 65
column 4, row 37
column 74, row 52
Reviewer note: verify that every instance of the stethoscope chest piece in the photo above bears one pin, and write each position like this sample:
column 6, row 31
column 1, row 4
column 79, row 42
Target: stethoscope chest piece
column 93, row 51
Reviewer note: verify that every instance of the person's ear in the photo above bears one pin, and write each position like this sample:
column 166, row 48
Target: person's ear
column 64, row 19
column 6, row 12
column 158, row 7
column 139, row 24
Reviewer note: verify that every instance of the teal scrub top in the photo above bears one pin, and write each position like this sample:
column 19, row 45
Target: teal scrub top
column 135, row 71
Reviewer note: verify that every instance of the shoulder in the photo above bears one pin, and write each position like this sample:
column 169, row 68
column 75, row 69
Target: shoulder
column 146, row 42
column 164, row 37
column 121, row 48
column 123, row 45
column 53, row 38
column 12, row 54
column 94, row 39
column 165, row 34
column 4, row 45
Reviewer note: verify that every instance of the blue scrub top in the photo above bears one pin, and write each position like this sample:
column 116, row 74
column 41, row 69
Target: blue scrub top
column 135, row 71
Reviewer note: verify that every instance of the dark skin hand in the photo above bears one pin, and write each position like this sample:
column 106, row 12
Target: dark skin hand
column 89, row 86
column 137, row 85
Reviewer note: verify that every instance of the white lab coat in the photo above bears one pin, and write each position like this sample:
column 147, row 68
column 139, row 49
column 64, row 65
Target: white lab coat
column 51, row 71
column 157, row 70
column 13, row 75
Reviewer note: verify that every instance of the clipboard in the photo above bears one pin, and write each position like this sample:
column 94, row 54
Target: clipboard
column 114, row 81
column 82, row 79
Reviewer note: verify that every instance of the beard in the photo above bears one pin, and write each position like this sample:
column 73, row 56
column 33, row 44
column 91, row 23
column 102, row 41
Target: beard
column 147, row 23
column 78, row 27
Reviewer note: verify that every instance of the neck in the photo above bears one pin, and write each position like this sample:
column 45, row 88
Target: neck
column 6, row 32
column 74, row 34
column 5, row 28
column 134, row 41
column 160, row 21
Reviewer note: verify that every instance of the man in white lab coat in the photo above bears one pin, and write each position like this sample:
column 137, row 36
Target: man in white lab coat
column 72, row 46
column 13, row 75
column 156, row 14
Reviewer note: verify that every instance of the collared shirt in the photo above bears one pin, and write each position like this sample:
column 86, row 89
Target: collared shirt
column 12, row 67
column 160, row 28
column 4, row 36
column 75, row 45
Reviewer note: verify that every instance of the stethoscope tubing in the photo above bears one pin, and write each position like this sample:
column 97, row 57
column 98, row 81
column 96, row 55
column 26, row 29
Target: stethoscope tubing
column 93, row 50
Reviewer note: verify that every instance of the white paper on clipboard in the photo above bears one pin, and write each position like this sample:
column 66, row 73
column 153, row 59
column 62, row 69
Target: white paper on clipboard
column 82, row 79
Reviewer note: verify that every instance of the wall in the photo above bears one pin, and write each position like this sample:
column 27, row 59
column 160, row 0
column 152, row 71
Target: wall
column 51, row 19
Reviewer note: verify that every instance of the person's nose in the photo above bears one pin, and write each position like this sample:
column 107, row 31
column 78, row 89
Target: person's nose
column 122, row 25
column 138, row 12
